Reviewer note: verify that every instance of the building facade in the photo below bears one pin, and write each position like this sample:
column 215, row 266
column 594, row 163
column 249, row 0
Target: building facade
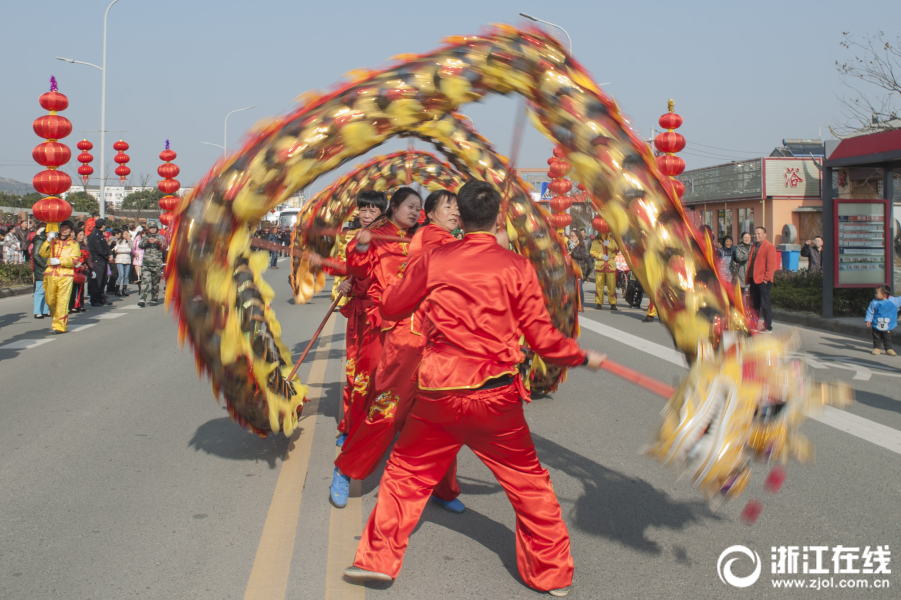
column 781, row 193
column 116, row 193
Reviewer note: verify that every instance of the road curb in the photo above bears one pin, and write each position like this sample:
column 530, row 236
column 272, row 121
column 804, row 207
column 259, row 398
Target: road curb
column 19, row 290
column 817, row 322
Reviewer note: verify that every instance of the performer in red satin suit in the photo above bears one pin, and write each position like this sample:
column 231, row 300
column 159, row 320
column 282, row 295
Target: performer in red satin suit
column 361, row 339
column 381, row 263
column 395, row 377
column 477, row 298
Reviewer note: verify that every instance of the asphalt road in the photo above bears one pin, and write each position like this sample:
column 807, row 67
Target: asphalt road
column 121, row 477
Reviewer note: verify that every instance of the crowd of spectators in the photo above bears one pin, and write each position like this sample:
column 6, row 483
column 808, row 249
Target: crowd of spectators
column 112, row 259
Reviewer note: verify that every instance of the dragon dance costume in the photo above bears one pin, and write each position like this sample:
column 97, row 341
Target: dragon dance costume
column 59, row 279
column 395, row 376
column 478, row 298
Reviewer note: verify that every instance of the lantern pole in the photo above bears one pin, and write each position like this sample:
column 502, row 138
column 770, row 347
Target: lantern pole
column 537, row 20
column 225, row 133
column 103, row 174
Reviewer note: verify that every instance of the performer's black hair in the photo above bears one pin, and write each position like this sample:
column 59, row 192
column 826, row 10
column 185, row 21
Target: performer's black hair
column 433, row 200
column 479, row 204
column 372, row 198
column 399, row 196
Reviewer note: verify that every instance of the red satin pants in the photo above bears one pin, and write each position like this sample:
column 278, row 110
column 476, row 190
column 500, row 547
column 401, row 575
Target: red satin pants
column 492, row 424
column 364, row 345
column 387, row 407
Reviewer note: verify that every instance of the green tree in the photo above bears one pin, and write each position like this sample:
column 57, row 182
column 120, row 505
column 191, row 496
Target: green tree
column 142, row 200
column 82, row 202
column 28, row 200
column 11, row 200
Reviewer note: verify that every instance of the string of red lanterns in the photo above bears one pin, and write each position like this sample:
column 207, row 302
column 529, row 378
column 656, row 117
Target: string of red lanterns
column 85, row 170
column 51, row 154
column 560, row 186
column 168, row 185
column 669, row 143
column 122, row 171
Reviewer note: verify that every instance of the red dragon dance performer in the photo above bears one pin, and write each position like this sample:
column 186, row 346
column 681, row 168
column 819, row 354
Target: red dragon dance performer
column 362, row 336
column 395, row 377
column 477, row 297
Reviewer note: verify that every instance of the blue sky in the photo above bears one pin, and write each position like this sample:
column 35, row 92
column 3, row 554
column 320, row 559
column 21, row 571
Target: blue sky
column 744, row 75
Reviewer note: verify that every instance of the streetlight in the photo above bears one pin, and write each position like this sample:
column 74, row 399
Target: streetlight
column 225, row 134
column 102, row 111
column 531, row 18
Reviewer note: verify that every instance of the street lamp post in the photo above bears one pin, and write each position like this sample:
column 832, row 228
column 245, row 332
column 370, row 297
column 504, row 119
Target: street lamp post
column 102, row 201
column 225, row 133
column 531, row 18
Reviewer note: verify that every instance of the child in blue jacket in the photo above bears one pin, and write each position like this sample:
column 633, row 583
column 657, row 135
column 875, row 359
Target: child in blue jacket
column 882, row 317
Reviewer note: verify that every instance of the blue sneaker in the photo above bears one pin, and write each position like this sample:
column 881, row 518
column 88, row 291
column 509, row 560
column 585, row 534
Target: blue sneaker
column 340, row 489
column 454, row 506
column 341, row 439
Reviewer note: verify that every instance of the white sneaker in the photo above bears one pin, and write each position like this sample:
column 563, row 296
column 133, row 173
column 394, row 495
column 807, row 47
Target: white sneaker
column 559, row 593
column 358, row 574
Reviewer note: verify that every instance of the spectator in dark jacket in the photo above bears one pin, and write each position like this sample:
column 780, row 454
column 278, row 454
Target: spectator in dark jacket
column 100, row 256
column 814, row 253
column 39, row 263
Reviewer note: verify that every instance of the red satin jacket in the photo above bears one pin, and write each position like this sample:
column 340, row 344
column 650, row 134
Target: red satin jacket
column 477, row 298
column 383, row 263
column 427, row 238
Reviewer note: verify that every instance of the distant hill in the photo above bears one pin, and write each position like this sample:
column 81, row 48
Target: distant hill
column 12, row 186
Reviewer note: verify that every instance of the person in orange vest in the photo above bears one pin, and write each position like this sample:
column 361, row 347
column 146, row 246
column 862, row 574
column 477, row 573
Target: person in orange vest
column 604, row 250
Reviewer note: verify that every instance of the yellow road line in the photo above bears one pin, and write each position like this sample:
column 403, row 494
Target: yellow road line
column 344, row 530
column 269, row 575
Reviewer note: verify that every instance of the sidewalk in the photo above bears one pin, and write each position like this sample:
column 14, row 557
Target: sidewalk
column 19, row 290
column 847, row 325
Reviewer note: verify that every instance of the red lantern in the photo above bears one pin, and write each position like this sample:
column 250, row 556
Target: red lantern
column 52, row 127
column 122, row 171
column 670, row 120
column 84, row 145
column 167, row 155
column 122, row 158
column 52, row 182
column 560, row 220
column 51, row 154
column 51, row 211
column 670, row 141
column 560, row 186
column 169, row 202
column 560, row 203
column 85, row 171
column 169, row 186
column 168, row 171
column 670, row 165
column 166, row 218
column 559, row 152
column 121, row 146
column 600, row 225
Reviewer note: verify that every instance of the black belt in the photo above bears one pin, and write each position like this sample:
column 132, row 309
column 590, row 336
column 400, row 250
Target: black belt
column 496, row 382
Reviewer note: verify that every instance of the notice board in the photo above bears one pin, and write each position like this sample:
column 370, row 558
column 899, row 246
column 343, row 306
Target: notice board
column 861, row 243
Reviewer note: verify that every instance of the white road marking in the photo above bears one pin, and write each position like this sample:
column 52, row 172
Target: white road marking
column 82, row 328
column 865, row 429
column 667, row 354
column 25, row 344
column 282, row 259
column 129, row 307
column 109, row 316
column 870, row 431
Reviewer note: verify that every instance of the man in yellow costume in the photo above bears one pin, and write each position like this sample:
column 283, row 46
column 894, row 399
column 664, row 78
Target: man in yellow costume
column 604, row 250
column 63, row 254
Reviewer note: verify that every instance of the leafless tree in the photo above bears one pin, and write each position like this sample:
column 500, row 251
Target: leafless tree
column 872, row 80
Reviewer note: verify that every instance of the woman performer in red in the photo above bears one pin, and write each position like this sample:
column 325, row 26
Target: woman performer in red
column 478, row 298
column 362, row 338
column 395, row 376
